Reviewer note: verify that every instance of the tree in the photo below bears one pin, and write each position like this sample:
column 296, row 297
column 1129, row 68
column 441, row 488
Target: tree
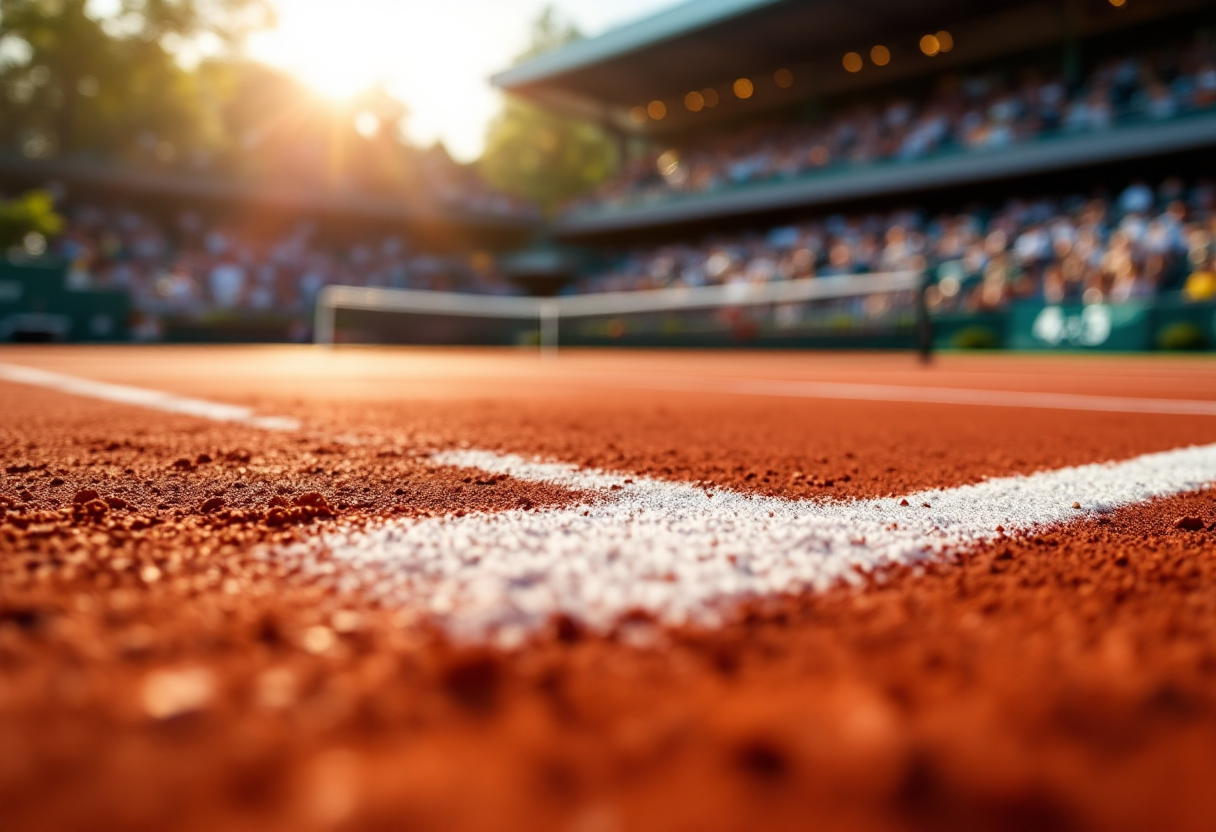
column 72, row 79
column 539, row 155
column 60, row 51
column 31, row 212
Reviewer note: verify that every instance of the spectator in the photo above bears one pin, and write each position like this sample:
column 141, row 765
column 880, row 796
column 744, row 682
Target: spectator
column 1058, row 250
column 980, row 112
column 189, row 266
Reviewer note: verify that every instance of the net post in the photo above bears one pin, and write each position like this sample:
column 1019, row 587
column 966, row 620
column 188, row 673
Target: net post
column 924, row 323
column 549, row 310
column 323, row 319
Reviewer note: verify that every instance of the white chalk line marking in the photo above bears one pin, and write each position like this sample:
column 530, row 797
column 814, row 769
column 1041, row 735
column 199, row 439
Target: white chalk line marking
column 143, row 397
column 848, row 391
column 677, row 551
column 684, row 556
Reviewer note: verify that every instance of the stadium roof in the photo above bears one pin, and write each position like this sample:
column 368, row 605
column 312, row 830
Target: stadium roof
column 98, row 176
column 677, row 21
column 708, row 44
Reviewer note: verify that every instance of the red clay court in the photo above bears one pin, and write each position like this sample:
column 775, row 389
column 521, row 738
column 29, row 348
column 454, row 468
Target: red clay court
column 297, row 588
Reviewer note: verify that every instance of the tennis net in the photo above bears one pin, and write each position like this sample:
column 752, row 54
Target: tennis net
column 854, row 311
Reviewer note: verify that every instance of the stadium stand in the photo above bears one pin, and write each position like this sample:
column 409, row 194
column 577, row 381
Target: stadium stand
column 224, row 258
column 973, row 112
column 447, row 193
column 1037, row 151
column 192, row 266
column 1038, row 164
column 1138, row 245
column 732, row 109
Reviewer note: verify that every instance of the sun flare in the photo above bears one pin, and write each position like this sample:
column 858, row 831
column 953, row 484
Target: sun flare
column 330, row 54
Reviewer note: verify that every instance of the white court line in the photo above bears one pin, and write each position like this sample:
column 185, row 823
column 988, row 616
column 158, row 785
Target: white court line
column 849, row 391
column 651, row 381
column 143, row 397
column 680, row 554
column 677, row 551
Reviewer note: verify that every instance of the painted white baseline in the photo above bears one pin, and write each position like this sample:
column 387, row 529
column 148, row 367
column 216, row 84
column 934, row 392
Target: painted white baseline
column 143, row 397
column 778, row 388
column 676, row 550
column 681, row 552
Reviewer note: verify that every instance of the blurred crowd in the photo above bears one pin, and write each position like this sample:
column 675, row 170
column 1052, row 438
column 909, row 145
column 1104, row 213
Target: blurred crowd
column 1135, row 244
column 461, row 189
column 962, row 113
column 191, row 266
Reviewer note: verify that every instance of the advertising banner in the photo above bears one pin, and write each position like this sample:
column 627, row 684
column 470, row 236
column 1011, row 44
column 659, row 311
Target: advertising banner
column 1096, row 326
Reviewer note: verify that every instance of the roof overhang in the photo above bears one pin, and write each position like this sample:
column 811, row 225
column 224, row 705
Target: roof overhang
column 711, row 43
column 223, row 190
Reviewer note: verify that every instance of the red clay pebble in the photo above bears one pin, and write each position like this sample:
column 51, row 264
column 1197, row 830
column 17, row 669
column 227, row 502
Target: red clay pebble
column 313, row 499
column 182, row 464
column 1189, row 523
column 213, row 504
column 85, row 495
column 550, row 733
column 903, row 502
column 116, row 502
column 474, row 680
column 96, row 507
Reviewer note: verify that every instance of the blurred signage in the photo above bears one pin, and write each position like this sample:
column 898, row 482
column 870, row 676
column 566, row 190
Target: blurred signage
column 1095, row 326
column 37, row 305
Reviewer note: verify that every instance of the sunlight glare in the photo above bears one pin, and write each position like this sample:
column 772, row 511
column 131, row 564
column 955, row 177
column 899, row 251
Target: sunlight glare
column 367, row 124
column 433, row 55
column 330, row 53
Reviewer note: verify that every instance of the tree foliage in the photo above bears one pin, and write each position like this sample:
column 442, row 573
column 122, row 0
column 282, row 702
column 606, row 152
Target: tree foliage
column 31, row 212
column 73, row 80
column 114, row 87
column 539, row 155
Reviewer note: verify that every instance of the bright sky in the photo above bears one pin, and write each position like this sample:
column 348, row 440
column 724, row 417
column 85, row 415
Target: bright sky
column 435, row 55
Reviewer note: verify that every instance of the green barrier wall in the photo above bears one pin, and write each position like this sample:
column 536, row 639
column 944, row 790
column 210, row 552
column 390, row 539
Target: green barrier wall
column 36, row 304
column 1126, row 327
column 982, row 330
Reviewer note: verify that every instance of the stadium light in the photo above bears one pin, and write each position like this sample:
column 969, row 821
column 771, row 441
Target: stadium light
column 852, row 62
column 880, row 55
column 638, row 114
column 656, row 110
column 930, row 45
column 945, row 41
column 744, row 88
column 711, row 96
column 783, row 78
column 1118, row 4
column 668, row 163
column 694, row 102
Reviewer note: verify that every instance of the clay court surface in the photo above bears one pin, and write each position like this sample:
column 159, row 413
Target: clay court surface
column 479, row 590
